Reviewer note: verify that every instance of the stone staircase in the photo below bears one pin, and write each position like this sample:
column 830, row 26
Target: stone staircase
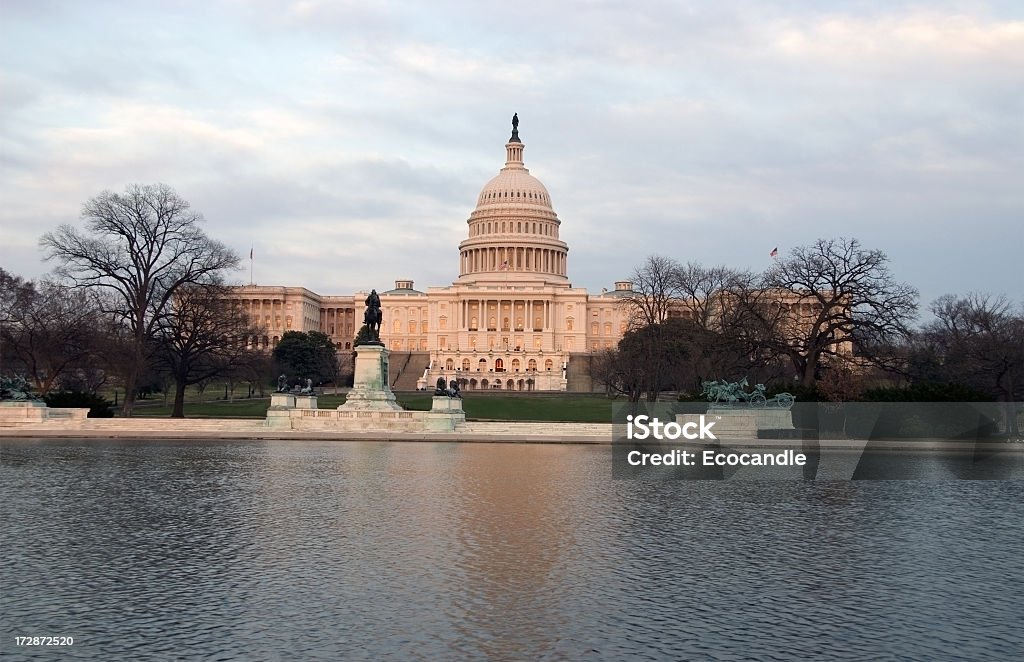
column 163, row 425
column 577, row 375
column 213, row 428
column 535, row 429
column 405, row 368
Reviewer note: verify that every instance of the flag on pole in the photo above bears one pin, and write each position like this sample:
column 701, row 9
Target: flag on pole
column 250, row 253
column 504, row 266
column 775, row 252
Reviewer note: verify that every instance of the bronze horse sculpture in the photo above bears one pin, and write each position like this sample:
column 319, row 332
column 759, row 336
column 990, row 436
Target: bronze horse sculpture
column 373, row 315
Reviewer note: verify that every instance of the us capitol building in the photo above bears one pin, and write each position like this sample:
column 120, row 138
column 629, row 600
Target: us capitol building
column 511, row 320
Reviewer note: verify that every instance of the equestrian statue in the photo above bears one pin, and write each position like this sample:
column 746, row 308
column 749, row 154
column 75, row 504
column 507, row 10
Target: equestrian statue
column 373, row 316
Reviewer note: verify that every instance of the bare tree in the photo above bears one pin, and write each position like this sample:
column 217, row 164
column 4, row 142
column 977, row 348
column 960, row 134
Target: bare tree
column 203, row 335
column 15, row 294
column 826, row 297
column 978, row 340
column 60, row 332
column 141, row 247
column 655, row 288
column 702, row 292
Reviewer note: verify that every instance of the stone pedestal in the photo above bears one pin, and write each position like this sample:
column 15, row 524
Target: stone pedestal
column 282, row 401
column 370, row 391
column 736, row 423
column 305, row 401
column 445, row 413
column 280, row 411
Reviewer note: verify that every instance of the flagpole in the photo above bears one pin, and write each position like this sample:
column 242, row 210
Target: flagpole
column 250, row 265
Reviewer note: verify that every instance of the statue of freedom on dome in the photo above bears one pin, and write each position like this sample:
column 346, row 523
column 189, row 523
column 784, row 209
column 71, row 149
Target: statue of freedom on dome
column 515, row 128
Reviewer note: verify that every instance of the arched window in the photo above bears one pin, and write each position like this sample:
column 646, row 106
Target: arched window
column 548, row 364
column 449, row 364
column 472, row 384
column 481, row 365
column 515, row 365
column 483, row 383
column 532, row 365
column 593, row 328
column 568, row 323
column 412, row 327
column 607, row 328
column 465, row 364
column 499, row 365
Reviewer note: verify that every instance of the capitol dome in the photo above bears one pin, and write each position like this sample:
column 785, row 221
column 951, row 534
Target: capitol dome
column 514, row 186
column 514, row 228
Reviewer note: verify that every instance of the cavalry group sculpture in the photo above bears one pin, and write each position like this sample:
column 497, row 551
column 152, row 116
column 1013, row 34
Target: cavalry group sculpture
column 15, row 388
column 733, row 394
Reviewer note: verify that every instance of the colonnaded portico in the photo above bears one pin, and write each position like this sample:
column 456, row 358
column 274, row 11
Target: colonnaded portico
column 511, row 320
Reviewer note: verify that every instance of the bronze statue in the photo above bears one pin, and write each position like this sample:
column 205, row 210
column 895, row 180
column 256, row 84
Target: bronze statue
column 451, row 389
column 373, row 316
column 515, row 128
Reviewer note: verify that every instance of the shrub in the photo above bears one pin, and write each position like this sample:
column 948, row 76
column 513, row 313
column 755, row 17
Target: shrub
column 99, row 407
column 926, row 392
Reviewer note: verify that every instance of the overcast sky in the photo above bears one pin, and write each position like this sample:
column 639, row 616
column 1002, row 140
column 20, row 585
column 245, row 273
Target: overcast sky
column 346, row 141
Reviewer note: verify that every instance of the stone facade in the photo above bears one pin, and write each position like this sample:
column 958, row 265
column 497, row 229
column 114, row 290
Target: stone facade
column 511, row 320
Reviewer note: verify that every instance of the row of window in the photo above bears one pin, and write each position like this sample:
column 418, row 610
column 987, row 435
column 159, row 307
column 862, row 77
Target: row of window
column 471, row 384
column 570, row 323
column 515, row 365
column 509, row 195
column 547, row 229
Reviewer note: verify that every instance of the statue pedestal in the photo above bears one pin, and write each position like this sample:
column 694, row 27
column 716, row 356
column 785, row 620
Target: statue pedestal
column 742, row 423
column 281, row 400
column 279, row 412
column 305, row 401
column 370, row 391
column 445, row 414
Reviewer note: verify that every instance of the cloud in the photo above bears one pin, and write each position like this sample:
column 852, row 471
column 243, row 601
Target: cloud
column 348, row 141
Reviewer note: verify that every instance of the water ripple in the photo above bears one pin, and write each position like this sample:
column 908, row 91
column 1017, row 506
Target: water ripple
column 326, row 551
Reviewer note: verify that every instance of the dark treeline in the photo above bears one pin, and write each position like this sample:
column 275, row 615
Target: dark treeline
column 137, row 301
column 828, row 321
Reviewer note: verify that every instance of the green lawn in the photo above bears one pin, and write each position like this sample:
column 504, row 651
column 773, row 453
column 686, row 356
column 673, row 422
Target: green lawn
column 570, row 408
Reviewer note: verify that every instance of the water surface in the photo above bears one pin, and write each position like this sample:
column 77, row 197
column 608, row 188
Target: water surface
column 366, row 550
